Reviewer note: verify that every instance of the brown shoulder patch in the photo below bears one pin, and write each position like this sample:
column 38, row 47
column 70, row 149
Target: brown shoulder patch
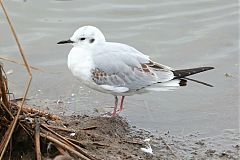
column 145, row 68
column 154, row 65
column 97, row 73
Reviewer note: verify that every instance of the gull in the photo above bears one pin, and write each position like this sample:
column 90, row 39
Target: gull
column 119, row 69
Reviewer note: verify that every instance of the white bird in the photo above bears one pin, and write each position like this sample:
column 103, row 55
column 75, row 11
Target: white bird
column 116, row 68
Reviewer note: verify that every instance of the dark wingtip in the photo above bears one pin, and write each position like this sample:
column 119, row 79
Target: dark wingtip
column 200, row 82
column 187, row 72
column 209, row 68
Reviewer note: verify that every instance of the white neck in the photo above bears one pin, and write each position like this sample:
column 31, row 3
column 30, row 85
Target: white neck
column 80, row 63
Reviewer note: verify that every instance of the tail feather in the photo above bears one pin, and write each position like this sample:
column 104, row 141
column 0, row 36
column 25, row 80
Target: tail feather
column 187, row 72
column 197, row 81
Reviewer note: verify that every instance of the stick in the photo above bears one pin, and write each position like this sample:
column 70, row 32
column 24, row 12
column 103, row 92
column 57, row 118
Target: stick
column 5, row 137
column 62, row 151
column 76, row 142
column 37, row 139
column 5, row 107
column 27, row 86
column 83, row 143
column 13, row 118
column 59, row 128
column 64, row 146
column 68, row 130
column 3, row 87
column 16, row 62
column 69, row 143
column 41, row 113
column 89, row 128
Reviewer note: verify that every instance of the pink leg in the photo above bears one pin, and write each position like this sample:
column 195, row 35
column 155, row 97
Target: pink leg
column 121, row 104
column 115, row 107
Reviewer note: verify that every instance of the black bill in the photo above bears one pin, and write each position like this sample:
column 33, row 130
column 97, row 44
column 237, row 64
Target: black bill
column 65, row 41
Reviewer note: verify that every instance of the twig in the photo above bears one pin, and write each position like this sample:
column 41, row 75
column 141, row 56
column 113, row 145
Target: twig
column 5, row 137
column 59, row 128
column 6, row 83
column 76, row 141
column 16, row 62
column 5, row 107
column 3, row 87
column 62, row 151
column 32, row 67
column 41, row 113
column 27, row 86
column 37, row 139
column 17, row 41
column 13, row 117
column 54, row 140
column 84, row 143
column 89, row 128
column 67, row 129
column 11, row 148
column 70, row 143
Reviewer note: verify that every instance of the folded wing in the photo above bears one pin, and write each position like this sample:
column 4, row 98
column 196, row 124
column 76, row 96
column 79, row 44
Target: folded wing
column 127, row 67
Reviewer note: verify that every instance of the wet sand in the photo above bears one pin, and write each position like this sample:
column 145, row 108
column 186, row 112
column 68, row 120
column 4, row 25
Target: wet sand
column 112, row 138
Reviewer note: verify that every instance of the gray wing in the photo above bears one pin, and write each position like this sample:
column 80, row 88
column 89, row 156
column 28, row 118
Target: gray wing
column 120, row 65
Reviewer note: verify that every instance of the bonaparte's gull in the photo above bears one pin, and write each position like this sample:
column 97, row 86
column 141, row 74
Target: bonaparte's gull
column 117, row 68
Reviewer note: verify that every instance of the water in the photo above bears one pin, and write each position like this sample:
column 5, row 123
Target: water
column 180, row 34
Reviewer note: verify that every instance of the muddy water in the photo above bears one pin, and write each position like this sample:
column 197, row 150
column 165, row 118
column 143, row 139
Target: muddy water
column 179, row 34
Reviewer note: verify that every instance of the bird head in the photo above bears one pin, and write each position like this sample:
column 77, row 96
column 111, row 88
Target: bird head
column 86, row 36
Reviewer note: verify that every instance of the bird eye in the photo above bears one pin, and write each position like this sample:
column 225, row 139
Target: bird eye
column 82, row 39
column 91, row 40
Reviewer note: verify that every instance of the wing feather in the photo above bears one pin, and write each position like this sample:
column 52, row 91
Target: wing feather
column 127, row 67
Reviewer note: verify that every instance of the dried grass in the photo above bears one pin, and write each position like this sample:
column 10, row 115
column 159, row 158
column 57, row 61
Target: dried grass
column 16, row 117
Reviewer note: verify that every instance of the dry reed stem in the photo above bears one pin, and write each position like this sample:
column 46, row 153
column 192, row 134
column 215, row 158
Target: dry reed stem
column 84, row 143
column 37, row 139
column 28, row 83
column 61, row 141
column 16, row 39
column 67, row 129
column 59, row 128
column 61, row 151
column 63, row 145
column 13, row 117
column 14, row 122
column 28, row 109
column 89, row 128
column 3, row 88
column 66, row 141
column 5, row 138
column 24, row 128
column 16, row 62
column 5, row 107
column 76, row 141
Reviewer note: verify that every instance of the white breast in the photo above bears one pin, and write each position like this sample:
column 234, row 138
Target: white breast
column 80, row 63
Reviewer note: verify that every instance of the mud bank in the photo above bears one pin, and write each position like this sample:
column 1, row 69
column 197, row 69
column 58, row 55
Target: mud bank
column 112, row 138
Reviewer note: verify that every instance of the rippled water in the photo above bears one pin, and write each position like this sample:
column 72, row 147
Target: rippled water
column 180, row 34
